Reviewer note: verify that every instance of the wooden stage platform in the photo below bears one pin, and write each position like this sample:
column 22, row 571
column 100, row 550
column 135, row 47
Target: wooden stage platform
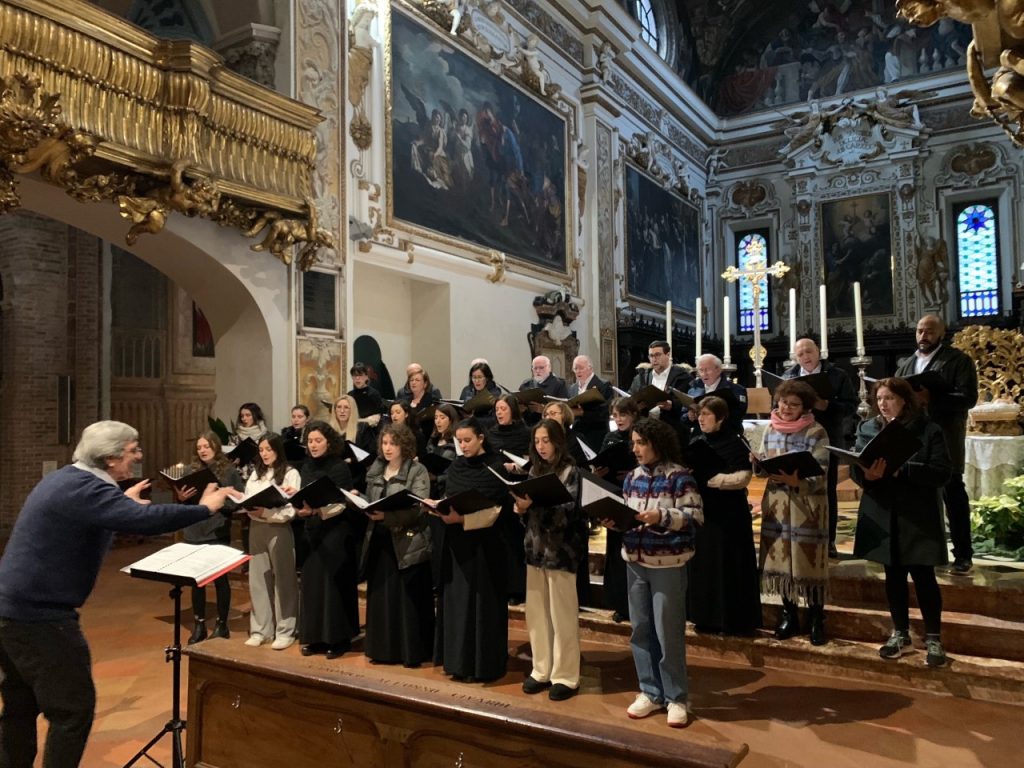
column 255, row 707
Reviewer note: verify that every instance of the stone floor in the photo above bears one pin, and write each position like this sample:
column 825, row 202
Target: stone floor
column 786, row 717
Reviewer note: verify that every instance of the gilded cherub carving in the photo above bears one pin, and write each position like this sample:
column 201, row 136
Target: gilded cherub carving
column 282, row 234
column 149, row 212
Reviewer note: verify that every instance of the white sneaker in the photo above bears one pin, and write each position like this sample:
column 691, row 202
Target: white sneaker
column 281, row 643
column 255, row 640
column 643, row 706
column 678, row 716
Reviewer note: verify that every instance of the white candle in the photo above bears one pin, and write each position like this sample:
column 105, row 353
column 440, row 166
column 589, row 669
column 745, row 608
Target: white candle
column 668, row 322
column 858, row 319
column 699, row 330
column 792, row 322
column 725, row 325
column 823, row 321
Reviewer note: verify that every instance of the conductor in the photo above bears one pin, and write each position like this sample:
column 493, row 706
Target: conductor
column 49, row 569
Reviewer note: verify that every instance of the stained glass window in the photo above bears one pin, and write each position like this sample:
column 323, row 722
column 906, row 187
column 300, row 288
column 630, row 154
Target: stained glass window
column 977, row 256
column 752, row 247
column 644, row 13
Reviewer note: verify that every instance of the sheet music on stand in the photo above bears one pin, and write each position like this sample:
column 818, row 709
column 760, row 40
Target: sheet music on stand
column 193, row 565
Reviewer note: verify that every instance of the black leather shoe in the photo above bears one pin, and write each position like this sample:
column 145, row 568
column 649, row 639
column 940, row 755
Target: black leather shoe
column 618, row 617
column 561, row 692
column 818, row 625
column 312, row 649
column 198, row 632
column 961, row 566
column 336, row 651
column 220, row 629
column 789, row 624
column 531, row 685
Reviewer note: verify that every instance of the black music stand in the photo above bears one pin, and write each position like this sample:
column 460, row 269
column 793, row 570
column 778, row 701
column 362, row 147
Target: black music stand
column 172, row 654
column 175, row 725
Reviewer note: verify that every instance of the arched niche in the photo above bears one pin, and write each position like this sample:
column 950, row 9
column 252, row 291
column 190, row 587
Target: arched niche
column 245, row 295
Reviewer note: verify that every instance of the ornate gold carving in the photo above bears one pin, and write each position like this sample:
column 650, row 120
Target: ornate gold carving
column 495, row 259
column 998, row 40
column 282, row 234
column 144, row 111
column 998, row 354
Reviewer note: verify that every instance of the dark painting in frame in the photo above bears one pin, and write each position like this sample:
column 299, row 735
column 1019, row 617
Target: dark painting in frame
column 473, row 157
column 856, row 245
column 662, row 244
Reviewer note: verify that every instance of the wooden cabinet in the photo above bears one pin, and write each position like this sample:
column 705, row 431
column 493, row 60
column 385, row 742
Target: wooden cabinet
column 291, row 712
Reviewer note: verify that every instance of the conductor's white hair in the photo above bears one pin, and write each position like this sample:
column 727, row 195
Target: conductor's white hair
column 103, row 439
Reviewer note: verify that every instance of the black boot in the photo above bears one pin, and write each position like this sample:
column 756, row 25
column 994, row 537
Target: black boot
column 220, row 629
column 198, row 632
column 817, row 616
column 789, row 623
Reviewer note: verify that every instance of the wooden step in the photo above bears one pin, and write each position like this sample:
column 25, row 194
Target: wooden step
column 966, row 676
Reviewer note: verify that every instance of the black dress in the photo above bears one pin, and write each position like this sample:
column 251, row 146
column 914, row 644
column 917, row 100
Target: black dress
column 615, row 592
column 724, row 587
column 396, row 560
column 330, row 601
column 472, row 612
column 514, row 438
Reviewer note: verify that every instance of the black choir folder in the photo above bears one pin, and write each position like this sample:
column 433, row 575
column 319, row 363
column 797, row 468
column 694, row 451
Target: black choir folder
column 803, row 462
column 587, row 396
column 819, row 382
column 401, row 499
column 601, row 500
column 435, row 463
column 318, row 493
column 617, row 457
column 187, row 564
column 650, row 395
column 894, row 443
column 465, row 503
column 544, row 490
column 244, row 452
column 198, row 480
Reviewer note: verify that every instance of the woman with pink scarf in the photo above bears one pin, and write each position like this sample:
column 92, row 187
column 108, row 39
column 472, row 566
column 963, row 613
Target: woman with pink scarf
column 794, row 514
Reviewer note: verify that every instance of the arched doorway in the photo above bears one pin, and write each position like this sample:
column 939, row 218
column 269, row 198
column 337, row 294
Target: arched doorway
column 245, row 296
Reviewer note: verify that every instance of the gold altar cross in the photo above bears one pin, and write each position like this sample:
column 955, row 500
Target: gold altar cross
column 756, row 270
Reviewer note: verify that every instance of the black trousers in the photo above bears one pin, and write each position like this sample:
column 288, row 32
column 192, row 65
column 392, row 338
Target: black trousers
column 223, row 589
column 929, row 598
column 46, row 669
column 958, row 515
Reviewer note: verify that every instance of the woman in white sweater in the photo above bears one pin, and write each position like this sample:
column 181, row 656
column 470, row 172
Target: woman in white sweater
column 273, row 584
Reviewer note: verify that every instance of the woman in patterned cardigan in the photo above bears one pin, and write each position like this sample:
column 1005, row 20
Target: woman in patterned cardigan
column 794, row 514
column 668, row 507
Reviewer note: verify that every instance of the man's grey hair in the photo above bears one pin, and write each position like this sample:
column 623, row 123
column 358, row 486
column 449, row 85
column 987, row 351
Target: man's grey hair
column 713, row 359
column 101, row 440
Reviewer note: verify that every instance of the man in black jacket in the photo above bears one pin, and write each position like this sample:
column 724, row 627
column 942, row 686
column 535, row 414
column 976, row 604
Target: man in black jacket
column 831, row 414
column 949, row 411
column 665, row 376
column 709, row 379
column 591, row 421
column 543, row 378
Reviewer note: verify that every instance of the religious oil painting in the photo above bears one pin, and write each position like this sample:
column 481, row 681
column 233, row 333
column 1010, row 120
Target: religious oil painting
column 662, row 244
column 473, row 157
column 856, row 245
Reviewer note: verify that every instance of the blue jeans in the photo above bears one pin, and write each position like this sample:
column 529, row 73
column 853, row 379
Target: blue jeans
column 46, row 668
column 657, row 611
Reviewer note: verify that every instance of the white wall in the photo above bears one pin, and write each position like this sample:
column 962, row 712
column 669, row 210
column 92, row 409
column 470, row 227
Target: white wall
column 442, row 312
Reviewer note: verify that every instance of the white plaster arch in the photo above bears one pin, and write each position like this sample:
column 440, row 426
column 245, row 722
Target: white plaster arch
column 245, row 295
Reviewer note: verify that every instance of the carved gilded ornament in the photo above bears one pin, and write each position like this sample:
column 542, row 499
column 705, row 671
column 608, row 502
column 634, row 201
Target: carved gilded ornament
column 108, row 112
column 998, row 27
column 655, row 157
column 998, row 355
